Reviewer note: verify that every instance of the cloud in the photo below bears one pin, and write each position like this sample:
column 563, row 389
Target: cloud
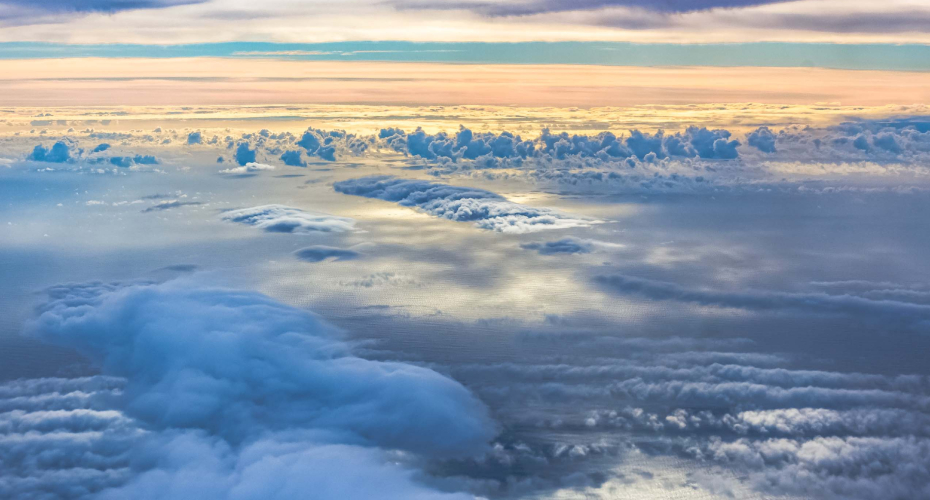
column 250, row 399
column 534, row 7
column 128, row 161
column 60, row 152
column 248, row 168
column 101, row 147
column 319, row 253
column 565, row 245
column 814, row 302
column 293, row 159
column 485, row 209
column 693, row 142
column 167, row 205
column 195, row 138
column 282, row 219
column 570, row 245
column 32, row 11
column 762, row 139
column 319, row 143
column 244, row 154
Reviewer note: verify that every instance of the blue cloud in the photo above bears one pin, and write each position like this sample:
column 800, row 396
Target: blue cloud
column 293, row 159
column 195, row 138
column 762, row 139
column 250, row 399
column 319, row 253
column 244, row 154
column 59, row 153
column 565, row 245
column 101, row 148
column 694, row 142
column 319, row 143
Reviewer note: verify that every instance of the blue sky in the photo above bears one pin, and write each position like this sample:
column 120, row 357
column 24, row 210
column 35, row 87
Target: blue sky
column 841, row 56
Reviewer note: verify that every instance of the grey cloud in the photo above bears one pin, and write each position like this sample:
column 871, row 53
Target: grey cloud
column 506, row 9
column 815, row 302
column 319, row 253
column 167, row 205
column 565, row 245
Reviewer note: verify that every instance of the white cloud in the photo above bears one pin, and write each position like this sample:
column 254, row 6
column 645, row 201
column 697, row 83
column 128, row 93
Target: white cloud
column 484, row 209
column 282, row 219
column 248, row 168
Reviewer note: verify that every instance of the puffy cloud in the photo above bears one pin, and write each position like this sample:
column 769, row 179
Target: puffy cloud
column 250, row 399
column 466, row 144
column 282, row 219
column 60, row 152
column 128, row 161
column 830, row 467
column 101, row 147
column 244, row 364
column 485, row 209
column 319, row 253
column 762, row 139
column 694, row 142
column 293, row 159
column 195, row 138
column 244, row 154
column 248, row 168
column 316, row 145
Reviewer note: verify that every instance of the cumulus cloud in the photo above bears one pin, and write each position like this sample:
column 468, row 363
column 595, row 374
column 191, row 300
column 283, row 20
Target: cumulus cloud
column 228, row 392
column 694, row 142
column 195, row 138
column 293, row 159
column 60, row 152
column 282, row 219
column 319, row 143
column 244, row 154
column 485, row 209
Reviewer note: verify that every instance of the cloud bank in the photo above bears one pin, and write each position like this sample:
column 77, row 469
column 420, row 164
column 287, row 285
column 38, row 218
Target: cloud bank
column 238, row 396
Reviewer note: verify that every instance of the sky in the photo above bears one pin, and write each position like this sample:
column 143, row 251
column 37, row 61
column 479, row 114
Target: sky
column 664, row 21
column 464, row 249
